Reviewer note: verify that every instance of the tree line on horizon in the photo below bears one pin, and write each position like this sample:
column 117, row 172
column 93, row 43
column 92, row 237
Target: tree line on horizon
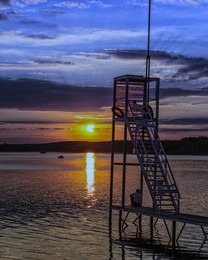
column 189, row 146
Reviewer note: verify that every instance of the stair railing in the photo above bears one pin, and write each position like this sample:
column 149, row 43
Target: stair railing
column 140, row 116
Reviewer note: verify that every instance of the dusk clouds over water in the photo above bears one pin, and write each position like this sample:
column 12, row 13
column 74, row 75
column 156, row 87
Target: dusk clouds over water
column 58, row 60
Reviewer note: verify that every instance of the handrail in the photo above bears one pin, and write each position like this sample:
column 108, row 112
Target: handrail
column 141, row 116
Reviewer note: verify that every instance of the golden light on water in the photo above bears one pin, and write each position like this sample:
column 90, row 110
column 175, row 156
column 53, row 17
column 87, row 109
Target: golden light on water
column 90, row 171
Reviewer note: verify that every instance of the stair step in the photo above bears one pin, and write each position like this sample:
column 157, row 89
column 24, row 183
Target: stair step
column 167, row 205
column 167, row 212
column 166, row 191
column 163, row 200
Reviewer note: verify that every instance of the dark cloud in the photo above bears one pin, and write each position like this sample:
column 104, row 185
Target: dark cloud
column 33, row 22
column 182, row 130
column 141, row 54
column 195, row 68
column 41, row 36
column 185, row 121
column 191, row 67
column 29, row 94
column 3, row 17
column 36, row 122
column 127, row 54
column 52, row 62
column 176, row 92
column 30, row 22
column 48, row 129
column 5, row 2
column 184, row 125
column 32, row 129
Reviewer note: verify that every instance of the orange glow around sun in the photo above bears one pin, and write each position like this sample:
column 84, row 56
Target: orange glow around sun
column 92, row 132
column 92, row 127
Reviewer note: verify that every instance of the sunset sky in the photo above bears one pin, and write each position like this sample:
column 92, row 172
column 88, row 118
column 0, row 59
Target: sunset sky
column 58, row 60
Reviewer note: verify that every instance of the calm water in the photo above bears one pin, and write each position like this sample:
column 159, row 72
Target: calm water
column 54, row 208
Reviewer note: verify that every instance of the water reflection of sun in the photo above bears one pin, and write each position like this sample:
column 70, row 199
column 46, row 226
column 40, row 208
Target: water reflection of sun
column 90, row 170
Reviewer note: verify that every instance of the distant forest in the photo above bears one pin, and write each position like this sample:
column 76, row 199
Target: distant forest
column 188, row 146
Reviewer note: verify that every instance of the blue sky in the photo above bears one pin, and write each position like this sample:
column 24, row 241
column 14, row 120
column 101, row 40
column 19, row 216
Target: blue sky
column 58, row 60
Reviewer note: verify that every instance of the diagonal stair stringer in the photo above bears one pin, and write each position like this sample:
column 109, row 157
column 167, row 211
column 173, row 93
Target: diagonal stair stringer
column 153, row 161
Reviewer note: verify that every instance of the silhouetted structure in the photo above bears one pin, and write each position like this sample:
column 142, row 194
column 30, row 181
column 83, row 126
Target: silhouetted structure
column 135, row 111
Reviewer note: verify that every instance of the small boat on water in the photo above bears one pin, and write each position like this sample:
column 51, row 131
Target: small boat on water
column 60, row 156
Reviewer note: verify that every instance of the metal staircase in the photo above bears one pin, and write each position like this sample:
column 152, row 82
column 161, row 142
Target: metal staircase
column 152, row 158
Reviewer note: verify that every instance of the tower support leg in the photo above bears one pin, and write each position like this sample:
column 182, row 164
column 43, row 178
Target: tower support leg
column 173, row 237
column 119, row 224
column 151, row 229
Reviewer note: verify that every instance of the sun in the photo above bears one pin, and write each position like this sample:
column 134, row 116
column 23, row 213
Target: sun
column 90, row 128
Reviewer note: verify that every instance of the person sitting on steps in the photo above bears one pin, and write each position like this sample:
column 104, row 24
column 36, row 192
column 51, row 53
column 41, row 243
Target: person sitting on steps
column 136, row 198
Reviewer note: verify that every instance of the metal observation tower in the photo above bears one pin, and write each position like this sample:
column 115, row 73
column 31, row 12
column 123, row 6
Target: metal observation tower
column 135, row 112
column 136, row 109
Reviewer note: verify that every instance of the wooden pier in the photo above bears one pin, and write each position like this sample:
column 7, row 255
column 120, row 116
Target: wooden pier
column 179, row 217
column 173, row 234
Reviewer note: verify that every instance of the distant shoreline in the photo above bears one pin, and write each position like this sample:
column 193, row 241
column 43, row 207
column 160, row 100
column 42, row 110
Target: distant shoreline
column 185, row 146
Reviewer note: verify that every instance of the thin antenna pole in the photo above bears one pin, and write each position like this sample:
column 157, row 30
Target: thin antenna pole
column 148, row 43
